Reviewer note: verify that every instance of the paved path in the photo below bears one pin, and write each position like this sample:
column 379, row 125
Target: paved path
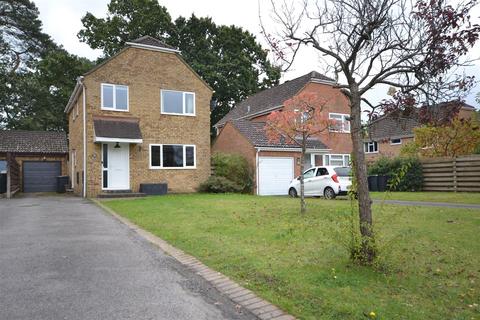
column 64, row 258
column 431, row 204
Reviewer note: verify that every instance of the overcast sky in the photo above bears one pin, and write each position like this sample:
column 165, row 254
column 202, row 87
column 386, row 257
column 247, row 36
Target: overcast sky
column 61, row 20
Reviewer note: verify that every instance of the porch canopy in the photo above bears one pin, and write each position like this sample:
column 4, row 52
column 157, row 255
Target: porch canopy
column 117, row 129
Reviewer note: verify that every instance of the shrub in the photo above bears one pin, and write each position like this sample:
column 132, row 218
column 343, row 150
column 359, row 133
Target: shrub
column 217, row 184
column 232, row 173
column 412, row 180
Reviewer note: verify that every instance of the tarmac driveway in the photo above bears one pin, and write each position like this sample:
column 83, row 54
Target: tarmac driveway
column 64, row 258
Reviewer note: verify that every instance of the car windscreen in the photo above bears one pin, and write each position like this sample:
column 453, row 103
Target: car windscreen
column 343, row 171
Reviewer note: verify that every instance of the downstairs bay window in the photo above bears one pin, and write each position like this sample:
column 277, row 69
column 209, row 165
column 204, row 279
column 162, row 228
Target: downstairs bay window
column 172, row 156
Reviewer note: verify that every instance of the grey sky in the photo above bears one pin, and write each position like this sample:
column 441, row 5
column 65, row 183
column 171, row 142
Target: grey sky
column 61, row 20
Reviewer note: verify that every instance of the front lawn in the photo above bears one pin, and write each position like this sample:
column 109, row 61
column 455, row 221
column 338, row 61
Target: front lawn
column 453, row 197
column 430, row 270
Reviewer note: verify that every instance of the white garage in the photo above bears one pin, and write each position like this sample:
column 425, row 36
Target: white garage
column 274, row 175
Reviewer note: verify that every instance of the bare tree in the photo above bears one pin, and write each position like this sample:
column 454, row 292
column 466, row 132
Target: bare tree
column 406, row 45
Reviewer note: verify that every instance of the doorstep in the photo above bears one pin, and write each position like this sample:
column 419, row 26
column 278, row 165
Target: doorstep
column 244, row 298
column 120, row 194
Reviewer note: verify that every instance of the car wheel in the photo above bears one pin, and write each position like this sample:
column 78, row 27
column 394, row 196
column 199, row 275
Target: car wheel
column 329, row 194
column 292, row 192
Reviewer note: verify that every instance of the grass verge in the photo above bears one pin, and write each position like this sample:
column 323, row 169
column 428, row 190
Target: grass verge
column 452, row 197
column 430, row 266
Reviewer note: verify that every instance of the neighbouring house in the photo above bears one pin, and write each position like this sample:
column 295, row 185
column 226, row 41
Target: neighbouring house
column 140, row 117
column 242, row 131
column 40, row 157
column 389, row 133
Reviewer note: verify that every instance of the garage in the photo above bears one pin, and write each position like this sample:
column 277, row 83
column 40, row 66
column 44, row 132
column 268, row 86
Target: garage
column 41, row 176
column 274, row 175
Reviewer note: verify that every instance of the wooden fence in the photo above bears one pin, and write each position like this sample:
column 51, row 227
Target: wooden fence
column 452, row 174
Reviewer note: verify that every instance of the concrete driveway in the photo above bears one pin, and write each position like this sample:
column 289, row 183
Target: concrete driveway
column 64, row 258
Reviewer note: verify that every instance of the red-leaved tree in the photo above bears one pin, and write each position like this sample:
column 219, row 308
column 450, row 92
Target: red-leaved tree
column 301, row 119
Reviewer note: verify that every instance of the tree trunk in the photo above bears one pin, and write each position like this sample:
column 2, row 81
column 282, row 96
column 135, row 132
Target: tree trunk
column 367, row 253
column 303, row 206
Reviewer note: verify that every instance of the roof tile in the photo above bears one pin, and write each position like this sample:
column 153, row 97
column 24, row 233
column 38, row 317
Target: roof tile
column 256, row 134
column 122, row 128
column 151, row 41
column 271, row 98
column 45, row 142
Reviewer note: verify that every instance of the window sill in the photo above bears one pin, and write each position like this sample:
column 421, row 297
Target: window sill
column 335, row 131
column 172, row 168
column 177, row 114
column 115, row 110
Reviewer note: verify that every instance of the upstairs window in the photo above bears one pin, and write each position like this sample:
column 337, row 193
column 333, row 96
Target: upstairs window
column 341, row 122
column 172, row 156
column 178, row 102
column 371, row 147
column 114, row 97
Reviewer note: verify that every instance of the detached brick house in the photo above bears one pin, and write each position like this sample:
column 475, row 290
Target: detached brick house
column 140, row 117
column 389, row 133
column 242, row 132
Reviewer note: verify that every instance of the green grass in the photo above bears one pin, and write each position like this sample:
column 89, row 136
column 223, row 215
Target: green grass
column 429, row 266
column 454, row 197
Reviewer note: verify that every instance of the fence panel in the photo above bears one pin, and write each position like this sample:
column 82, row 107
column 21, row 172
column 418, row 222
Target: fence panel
column 452, row 174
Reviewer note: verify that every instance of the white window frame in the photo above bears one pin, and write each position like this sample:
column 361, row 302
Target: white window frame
column 114, row 97
column 345, row 158
column 161, row 167
column 343, row 122
column 366, row 146
column 184, row 94
column 395, row 143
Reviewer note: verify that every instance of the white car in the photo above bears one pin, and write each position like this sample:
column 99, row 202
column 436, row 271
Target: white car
column 326, row 181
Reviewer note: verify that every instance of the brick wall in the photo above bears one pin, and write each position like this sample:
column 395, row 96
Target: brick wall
column 230, row 140
column 336, row 102
column 385, row 149
column 75, row 145
column 146, row 72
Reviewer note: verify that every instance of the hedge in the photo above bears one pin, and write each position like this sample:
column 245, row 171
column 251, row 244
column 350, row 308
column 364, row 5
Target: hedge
column 411, row 181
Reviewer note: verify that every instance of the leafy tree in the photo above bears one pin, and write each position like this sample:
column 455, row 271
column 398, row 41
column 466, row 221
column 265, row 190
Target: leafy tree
column 126, row 20
column 409, row 46
column 40, row 96
column 301, row 119
column 22, row 41
column 228, row 58
column 460, row 137
column 36, row 76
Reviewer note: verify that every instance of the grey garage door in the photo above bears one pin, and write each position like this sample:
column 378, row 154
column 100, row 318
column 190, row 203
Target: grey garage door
column 40, row 176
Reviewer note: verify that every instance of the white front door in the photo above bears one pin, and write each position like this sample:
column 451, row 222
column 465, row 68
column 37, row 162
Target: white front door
column 116, row 166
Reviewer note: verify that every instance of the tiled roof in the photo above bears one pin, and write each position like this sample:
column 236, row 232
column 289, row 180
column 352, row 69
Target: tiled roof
column 255, row 133
column 396, row 125
column 151, row 41
column 122, row 128
column 392, row 126
column 47, row 142
column 271, row 98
